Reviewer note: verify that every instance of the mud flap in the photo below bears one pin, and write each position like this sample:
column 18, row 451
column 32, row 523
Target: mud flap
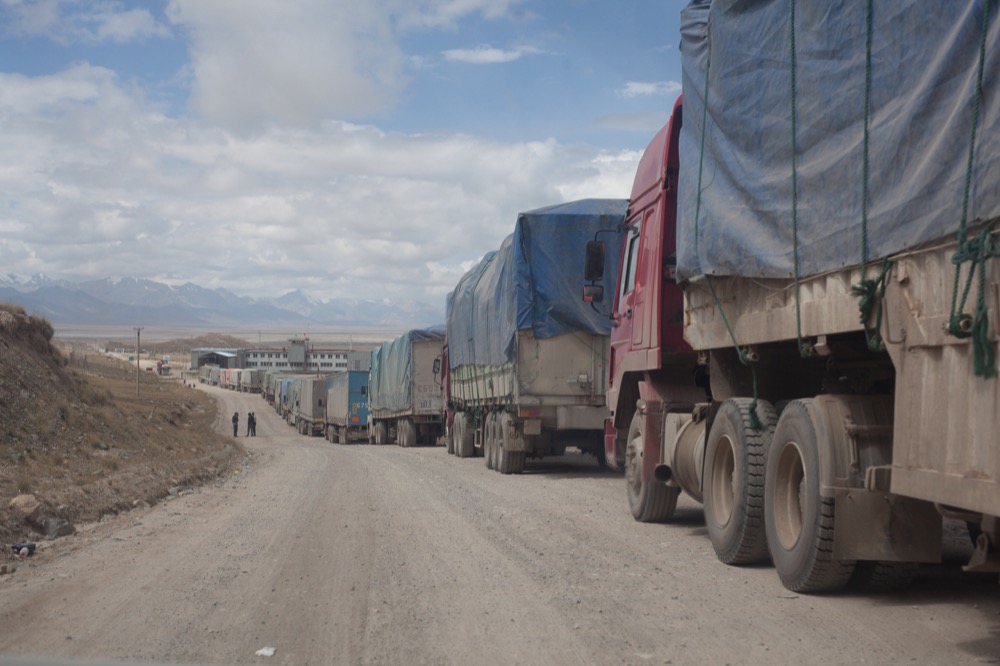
column 873, row 525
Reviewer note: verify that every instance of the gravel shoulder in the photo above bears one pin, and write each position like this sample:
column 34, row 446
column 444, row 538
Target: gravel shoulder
column 363, row 554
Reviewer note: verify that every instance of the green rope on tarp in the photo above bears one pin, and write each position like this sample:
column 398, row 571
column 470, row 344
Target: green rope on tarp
column 701, row 156
column 870, row 292
column 976, row 252
column 741, row 353
column 975, row 326
column 804, row 349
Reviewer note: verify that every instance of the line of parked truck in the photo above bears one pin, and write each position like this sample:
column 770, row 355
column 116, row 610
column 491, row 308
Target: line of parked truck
column 334, row 406
column 245, row 380
column 798, row 330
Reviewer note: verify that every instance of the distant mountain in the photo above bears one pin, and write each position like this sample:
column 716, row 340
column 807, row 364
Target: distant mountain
column 128, row 301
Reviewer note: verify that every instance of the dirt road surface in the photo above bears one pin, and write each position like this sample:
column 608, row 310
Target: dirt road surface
column 358, row 554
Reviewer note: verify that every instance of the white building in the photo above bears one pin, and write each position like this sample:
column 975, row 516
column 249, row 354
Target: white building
column 297, row 356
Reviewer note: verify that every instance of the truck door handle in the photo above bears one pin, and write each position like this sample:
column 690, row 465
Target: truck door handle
column 628, row 313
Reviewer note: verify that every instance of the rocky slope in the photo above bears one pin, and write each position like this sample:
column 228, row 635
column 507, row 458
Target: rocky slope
column 76, row 437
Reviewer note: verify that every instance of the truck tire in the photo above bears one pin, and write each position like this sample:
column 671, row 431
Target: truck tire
column 406, row 434
column 733, row 481
column 650, row 502
column 464, row 442
column 449, row 439
column 381, row 433
column 495, row 441
column 883, row 576
column 511, row 462
column 508, row 461
column 488, row 443
column 800, row 522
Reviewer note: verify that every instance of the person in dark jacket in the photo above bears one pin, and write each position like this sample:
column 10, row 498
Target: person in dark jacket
column 253, row 424
column 236, row 423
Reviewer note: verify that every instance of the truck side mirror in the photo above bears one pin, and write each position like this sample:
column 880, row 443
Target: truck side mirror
column 593, row 267
column 593, row 293
column 437, row 366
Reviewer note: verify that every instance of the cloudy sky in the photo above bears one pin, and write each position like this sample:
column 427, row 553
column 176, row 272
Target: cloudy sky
column 366, row 148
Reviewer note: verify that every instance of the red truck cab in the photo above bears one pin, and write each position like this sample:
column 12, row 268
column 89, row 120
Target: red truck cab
column 647, row 335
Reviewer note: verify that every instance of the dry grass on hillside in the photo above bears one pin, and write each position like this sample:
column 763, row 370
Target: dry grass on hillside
column 74, row 434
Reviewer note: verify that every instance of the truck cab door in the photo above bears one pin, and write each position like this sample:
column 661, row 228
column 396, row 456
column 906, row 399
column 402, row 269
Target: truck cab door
column 626, row 330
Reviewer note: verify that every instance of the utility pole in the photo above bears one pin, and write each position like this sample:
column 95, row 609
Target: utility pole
column 137, row 329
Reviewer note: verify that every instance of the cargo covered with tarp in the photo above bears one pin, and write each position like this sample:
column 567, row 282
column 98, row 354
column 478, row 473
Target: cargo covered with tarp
column 402, row 374
column 774, row 168
column 533, row 282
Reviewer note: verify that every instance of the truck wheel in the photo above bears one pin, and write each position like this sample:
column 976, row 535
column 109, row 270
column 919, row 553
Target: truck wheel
column 464, row 444
column 883, row 576
column 511, row 462
column 495, row 441
column 488, row 442
column 508, row 461
column 799, row 522
column 650, row 502
column 381, row 433
column 449, row 438
column 735, row 459
column 407, row 434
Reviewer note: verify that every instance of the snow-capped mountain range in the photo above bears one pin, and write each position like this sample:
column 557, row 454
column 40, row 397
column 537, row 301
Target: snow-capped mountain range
column 127, row 301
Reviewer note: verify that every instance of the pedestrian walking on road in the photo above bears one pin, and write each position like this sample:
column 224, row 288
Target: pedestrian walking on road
column 249, row 423
column 252, row 420
column 236, row 423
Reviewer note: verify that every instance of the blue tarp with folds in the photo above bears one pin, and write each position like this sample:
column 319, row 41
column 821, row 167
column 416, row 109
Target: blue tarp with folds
column 924, row 61
column 391, row 380
column 534, row 281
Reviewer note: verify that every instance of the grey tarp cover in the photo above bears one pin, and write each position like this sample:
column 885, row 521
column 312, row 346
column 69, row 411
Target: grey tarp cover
column 923, row 85
column 534, row 281
column 391, row 379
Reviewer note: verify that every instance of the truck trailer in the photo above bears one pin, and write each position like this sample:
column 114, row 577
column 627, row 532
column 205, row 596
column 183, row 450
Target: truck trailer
column 250, row 380
column 404, row 398
column 347, row 407
column 307, row 399
column 527, row 361
column 805, row 318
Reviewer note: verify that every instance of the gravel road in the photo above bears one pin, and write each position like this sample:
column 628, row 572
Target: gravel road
column 381, row 555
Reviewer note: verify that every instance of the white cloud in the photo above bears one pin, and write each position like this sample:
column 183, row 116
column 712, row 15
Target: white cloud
column 69, row 21
column 126, row 26
column 603, row 177
column 649, row 89
column 255, row 62
column 486, row 55
column 447, row 13
column 95, row 184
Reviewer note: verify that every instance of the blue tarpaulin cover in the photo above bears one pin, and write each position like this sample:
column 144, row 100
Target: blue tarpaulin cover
column 534, row 281
column 391, row 380
column 924, row 61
